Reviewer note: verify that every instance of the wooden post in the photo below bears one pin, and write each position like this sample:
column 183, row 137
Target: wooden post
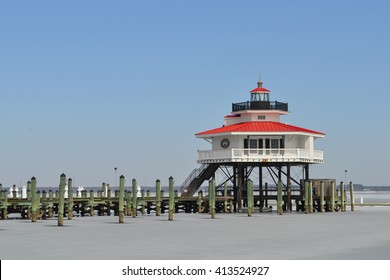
column 128, row 203
column 14, row 194
column 249, row 187
column 342, row 201
column 91, row 202
column 38, row 204
column 310, row 196
column 225, row 194
column 332, row 186
column 61, row 200
column 104, row 190
column 33, row 199
column 280, row 198
column 70, row 199
column 199, row 201
column 352, row 196
column 5, row 210
column 142, row 202
column 212, row 198
column 108, row 201
column 158, row 197
column 134, row 200
column 29, row 191
column 171, row 206
column 322, row 189
column 121, row 198
column 50, row 204
column 266, row 194
column 306, row 197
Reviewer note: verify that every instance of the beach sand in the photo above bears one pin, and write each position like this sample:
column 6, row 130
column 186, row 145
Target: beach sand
column 359, row 235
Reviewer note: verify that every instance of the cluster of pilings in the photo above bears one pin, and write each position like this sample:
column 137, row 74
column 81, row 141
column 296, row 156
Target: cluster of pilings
column 45, row 205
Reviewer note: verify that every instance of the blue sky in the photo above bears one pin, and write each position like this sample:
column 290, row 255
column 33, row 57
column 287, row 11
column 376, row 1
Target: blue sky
column 87, row 86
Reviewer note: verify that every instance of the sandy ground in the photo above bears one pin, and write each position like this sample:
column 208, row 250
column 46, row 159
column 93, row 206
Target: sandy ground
column 363, row 234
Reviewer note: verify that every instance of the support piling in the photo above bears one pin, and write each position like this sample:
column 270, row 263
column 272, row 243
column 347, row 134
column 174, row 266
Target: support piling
column 61, row 200
column 171, row 206
column 121, row 198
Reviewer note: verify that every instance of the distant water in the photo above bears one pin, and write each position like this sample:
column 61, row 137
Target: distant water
column 372, row 197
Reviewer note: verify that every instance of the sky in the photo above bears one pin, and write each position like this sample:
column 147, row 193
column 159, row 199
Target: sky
column 87, row 86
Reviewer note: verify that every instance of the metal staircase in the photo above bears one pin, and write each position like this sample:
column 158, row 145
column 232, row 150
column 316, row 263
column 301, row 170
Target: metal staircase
column 196, row 178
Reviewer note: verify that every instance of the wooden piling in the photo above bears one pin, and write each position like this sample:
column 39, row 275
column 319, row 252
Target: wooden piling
column 61, row 200
column 266, row 195
column 70, row 199
column 142, row 201
column 50, row 206
column 352, row 196
column 332, row 191
column 38, row 203
column 322, row 196
column 158, row 197
column 225, row 194
column 310, row 196
column 128, row 203
column 199, row 201
column 5, row 204
column 14, row 194
column 249, row 187
column 212, row 198
column 121, row 198
column 342, row 201
column 171, row 206
column 33, row 200
column 29, row 191
column 280, row 198
column 134, row 200
column 91, row 202
column 306, row 197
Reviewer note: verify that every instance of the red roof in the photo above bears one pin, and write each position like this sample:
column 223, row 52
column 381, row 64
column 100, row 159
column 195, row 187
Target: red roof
column 259, row 89
column 258, row 127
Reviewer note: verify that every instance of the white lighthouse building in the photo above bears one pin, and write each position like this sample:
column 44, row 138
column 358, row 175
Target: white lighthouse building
column 253, row 133
column 253, row 137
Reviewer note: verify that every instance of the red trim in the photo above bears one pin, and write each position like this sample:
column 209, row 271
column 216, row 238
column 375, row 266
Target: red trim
column 259, row 90
column 258, row 127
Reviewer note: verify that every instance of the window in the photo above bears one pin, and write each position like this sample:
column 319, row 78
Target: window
column 261, row 117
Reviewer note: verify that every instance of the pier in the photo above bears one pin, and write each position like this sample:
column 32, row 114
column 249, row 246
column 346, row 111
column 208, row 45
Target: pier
column 43, row 205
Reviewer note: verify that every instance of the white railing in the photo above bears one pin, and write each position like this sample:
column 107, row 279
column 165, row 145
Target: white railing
column 261, row 155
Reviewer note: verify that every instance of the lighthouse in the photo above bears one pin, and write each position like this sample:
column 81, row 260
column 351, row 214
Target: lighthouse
column 253, row 137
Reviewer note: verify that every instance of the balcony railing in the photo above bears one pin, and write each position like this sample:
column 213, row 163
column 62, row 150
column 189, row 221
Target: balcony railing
column 261, row 155
column 260, row 105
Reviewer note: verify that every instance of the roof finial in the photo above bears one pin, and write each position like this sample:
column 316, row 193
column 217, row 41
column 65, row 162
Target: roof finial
column 259, row 83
